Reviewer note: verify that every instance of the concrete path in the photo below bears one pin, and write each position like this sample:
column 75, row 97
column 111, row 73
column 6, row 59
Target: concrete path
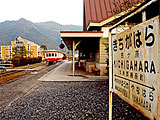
column 64, row 73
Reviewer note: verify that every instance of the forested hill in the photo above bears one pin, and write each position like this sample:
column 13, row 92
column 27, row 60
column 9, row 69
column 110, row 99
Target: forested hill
column 42, row 33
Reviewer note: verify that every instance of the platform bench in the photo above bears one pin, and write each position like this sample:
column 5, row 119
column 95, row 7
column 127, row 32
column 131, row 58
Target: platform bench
column 96, row 71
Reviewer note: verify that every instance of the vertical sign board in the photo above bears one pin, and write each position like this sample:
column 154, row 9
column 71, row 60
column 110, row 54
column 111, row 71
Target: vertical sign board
column 136, row 77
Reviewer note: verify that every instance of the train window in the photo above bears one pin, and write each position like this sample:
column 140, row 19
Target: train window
column 55, row 54
column 52, row 54
column 49, row 54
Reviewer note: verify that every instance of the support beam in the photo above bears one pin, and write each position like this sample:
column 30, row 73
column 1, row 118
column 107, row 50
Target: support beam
column 78, row 44
column 73, row 57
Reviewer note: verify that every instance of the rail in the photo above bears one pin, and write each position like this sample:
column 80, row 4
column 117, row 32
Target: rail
column 13, row 71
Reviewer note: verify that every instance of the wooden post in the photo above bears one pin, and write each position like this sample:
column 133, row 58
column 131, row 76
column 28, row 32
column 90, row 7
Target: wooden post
column 66, row 53
column 143, row 16
column 73, row 57
column 110, row 76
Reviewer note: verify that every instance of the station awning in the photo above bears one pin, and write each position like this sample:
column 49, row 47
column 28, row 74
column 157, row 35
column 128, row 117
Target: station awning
column 69, row 36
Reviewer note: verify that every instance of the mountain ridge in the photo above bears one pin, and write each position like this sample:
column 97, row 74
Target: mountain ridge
column 41, row 32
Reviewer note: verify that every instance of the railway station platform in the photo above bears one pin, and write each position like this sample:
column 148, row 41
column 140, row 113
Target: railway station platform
column 64, row 73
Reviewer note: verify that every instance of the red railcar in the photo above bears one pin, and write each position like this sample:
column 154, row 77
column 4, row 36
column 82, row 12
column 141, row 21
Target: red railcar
column 53, row 56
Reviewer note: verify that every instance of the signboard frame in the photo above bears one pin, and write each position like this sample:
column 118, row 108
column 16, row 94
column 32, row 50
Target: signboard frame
column 132, row 48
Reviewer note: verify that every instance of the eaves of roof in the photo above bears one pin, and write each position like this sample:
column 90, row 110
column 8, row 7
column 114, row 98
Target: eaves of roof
column 110, row 19
column 101, row 12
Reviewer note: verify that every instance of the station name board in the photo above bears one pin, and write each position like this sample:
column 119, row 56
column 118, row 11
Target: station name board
column 136, row 66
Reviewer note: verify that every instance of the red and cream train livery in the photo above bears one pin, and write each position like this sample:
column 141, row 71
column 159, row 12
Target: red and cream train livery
column 53, row 56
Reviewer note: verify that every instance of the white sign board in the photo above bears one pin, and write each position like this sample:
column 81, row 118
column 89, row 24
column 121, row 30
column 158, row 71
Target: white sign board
column 136, row 77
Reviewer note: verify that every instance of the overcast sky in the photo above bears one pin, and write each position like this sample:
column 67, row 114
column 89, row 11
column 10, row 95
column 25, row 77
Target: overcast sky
column 61, row 11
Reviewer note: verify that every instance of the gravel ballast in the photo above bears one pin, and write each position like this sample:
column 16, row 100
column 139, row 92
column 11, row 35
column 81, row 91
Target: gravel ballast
column 69, row 101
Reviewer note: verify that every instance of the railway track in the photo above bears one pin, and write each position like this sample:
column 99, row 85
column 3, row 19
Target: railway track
column 5, row 73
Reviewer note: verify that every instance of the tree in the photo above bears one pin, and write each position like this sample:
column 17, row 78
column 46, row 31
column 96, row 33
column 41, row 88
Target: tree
column 125, row 6
column 19, row 51
column 44, row 47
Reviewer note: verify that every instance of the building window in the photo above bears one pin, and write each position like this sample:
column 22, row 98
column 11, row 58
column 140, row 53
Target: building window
column 10, row 50
column 28, row 47
column 17, row 42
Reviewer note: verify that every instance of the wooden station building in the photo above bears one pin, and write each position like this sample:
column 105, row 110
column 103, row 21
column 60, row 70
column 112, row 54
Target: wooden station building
column 92, row 42
column 132, row 36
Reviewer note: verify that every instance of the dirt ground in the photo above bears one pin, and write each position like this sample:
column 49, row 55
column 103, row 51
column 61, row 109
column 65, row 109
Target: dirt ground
column 19, row 74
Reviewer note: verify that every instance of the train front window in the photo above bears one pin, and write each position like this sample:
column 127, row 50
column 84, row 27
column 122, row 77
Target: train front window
column 52, row 54
column 46, row 54
column 55, row 54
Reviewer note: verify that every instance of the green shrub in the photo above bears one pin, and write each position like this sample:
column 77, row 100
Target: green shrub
column 20, row 61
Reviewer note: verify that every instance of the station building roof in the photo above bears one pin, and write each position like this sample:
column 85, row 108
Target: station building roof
column 69, row 36
column 101, row 11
